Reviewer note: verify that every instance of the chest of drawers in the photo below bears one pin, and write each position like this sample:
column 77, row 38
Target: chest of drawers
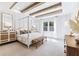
column 7, row 37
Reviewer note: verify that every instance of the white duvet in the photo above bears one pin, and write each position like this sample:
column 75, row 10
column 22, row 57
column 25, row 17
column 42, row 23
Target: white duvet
column 27, row 38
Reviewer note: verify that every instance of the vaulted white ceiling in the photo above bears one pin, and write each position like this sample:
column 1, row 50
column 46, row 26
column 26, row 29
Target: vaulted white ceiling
column 16, row 8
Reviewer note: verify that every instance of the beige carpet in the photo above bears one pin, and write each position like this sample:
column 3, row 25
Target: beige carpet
column 51, row 47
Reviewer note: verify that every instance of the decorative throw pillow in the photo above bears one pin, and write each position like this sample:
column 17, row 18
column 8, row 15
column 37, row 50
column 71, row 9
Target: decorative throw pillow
column 22, row 32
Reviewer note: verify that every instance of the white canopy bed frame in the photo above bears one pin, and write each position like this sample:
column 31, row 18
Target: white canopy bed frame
column 28, row 36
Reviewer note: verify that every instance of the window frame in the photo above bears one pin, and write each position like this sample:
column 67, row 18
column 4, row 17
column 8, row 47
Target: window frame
column 45, row 26
column 48, row 26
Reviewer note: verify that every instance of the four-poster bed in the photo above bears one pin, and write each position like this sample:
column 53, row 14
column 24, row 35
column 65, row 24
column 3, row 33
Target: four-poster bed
column 29, row 32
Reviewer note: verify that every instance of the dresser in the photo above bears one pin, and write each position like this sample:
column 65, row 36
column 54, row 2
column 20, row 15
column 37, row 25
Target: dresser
column 72, row 46
column 7, row 37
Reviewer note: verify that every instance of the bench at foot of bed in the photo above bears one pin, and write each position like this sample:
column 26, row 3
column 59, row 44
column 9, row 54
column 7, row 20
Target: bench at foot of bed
column 37, row 41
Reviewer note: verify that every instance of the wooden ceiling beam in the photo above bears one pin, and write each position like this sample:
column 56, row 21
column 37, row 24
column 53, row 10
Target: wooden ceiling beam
column 53, row 12
column 13, row 5
column 33, row 5
column 42, row 10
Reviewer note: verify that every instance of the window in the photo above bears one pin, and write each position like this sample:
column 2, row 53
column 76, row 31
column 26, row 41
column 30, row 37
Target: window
column 51, row 26
column 45, row 26
column 48, row 26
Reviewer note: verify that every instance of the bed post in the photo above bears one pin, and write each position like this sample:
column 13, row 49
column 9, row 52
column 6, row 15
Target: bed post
column 28, row 45
column 28, row 32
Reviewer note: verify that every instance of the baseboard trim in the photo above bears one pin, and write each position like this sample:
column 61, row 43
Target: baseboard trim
column 8, row 42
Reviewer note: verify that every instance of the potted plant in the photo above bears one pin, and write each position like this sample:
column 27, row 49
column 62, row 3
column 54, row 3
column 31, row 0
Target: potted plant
column 74, row 25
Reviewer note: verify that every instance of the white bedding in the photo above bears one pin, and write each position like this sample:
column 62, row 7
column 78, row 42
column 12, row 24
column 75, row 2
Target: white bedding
column 26, row 39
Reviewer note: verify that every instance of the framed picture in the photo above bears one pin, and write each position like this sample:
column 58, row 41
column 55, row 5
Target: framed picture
column 7, row 21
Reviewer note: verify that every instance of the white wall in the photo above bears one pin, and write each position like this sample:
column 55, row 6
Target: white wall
column 61, row 28
column 70, row 8
column 23, row 23
column 49, row 33
column 0, row 22
column 36, row 22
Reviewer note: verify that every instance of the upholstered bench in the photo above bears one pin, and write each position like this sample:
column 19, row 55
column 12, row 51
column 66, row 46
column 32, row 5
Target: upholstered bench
column 36, row 41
